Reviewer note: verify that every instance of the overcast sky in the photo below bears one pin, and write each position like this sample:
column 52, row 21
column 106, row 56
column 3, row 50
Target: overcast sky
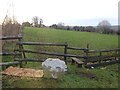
column 70, row 12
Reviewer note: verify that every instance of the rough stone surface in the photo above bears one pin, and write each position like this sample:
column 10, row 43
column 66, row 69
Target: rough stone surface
column 54, row 68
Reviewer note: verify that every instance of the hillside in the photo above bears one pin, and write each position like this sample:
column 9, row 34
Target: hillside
column 101, row 77
column 73, row 38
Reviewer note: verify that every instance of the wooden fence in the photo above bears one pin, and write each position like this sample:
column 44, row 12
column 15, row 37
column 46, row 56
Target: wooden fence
column 101, row 58
column 10, row 53
column 87, row 58
column 65, row 55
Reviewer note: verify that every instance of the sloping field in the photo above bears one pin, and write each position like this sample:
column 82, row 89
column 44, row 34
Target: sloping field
column 74, row 38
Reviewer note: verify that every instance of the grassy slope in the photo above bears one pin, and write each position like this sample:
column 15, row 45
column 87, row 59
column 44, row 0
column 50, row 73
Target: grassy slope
column 74, row 38
column 77, row 77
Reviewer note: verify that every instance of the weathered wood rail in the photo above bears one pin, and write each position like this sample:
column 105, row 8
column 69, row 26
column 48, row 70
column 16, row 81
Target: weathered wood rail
column 102, row 64
column 9, row 63
column 10, row 37
column 9, row 54
column 73, row 48
column 38, row 43
column 29, row 59
column 55, row 54
column 93, row 51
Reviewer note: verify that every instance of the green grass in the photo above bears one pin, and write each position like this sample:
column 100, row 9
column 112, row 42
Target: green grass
column 101, row 77
column 74, row 38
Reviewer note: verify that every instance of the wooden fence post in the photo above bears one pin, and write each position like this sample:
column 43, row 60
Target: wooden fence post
column 118, row 54
column 20, row 47
column 23, row 53
column 65, row 52
column 87, row 54
column 115, row 54
column 100, row 55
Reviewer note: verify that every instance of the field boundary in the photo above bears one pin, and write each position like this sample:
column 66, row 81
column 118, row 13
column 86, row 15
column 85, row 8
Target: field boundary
column 87, row 58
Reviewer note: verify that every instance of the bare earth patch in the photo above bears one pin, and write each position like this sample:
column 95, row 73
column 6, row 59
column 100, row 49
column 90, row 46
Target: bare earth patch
column 23, row 72
column 85, row 74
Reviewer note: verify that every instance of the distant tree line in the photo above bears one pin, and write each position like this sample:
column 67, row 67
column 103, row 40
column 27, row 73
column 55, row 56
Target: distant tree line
column 73, row 28
column 36, row 22
column 103, row 27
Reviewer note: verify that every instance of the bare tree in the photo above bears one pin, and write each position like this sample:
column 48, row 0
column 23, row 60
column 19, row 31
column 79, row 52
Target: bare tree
column 41, row 21
column 26, row 24
column 60, row 25
column 35, row 21
column 90, row 29
column 104, row 27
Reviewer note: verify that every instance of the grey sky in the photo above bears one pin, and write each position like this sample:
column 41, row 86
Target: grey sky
column 91, row 22
column 70, row 12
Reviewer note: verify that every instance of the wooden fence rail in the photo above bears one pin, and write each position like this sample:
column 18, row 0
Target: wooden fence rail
column 9, row 63
column 32, row 60
column 9, row 38
column 92, row 51
column 9, row 54
column 37, row 43
column 55, row 54
column 102, row 64
column 73, row 48
column 105, row 56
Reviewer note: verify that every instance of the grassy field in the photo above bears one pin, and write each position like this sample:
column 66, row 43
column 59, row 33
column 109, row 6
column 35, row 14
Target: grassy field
column 73, row 38
column 101, row 77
